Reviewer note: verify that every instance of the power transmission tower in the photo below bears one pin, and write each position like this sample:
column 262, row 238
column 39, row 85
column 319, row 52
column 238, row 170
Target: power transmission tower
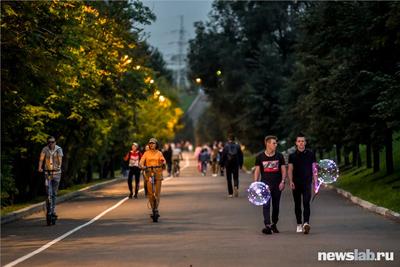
column 178, row 61
column 181, row 57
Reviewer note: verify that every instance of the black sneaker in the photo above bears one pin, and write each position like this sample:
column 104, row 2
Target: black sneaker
column 267, row 230
column 274, row 229
column 130, row 195
column 306, row 228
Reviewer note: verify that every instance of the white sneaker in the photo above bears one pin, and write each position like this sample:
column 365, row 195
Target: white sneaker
column 299, row 228
column 306, row 228
column 230, row 196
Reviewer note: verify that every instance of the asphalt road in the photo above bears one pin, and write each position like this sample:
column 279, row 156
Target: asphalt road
column 199, row 226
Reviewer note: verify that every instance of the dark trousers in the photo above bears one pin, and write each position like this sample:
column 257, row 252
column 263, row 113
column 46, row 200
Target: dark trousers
column 275, row 199
column 134, row 171
column 169, row 166
column 232, row 170
column 298, row 192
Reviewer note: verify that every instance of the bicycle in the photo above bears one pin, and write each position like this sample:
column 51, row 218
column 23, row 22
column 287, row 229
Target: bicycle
column 51, row 217
column 176, row 168
column 152, row 178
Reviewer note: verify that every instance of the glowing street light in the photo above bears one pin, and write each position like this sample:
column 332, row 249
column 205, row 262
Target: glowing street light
column 138, row 67
column 198, row 80
column 219, row 73
column 151, row 81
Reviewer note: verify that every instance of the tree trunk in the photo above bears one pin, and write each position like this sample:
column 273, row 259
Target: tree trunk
column 389, row 151
column 100, row 168
column 359, row 162
column 346, row 156
column 111, row 167
column 369, row 159
column 355, row 155
column 338, row 155
column 375, row 152
column 89, row 172
column 106, row 169
column 321, row 153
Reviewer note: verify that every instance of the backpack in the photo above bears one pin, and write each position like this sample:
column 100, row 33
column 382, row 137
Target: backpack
column 204, row 156
column 232, row 152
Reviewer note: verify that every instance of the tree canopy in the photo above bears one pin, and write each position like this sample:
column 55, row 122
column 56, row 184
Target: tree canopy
column 81, row 72
column 327, row 69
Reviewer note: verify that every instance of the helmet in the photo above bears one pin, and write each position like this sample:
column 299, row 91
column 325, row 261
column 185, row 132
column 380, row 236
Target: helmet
column 153, row 140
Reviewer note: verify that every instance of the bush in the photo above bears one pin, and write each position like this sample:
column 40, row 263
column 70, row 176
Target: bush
column 8, row 189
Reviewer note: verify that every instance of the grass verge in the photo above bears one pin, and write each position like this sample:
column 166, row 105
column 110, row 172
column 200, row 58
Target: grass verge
column 378, row 188
column 249, row 160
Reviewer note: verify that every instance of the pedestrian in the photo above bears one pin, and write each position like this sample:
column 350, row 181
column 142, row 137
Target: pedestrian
column 232, row 158
column 204, row 158
column 220, row 150
column 51, row 155
column 302, row 172
column 271, row 165
column 215, row 159
column 133, row 158
column 176, row 159
column 167, row 153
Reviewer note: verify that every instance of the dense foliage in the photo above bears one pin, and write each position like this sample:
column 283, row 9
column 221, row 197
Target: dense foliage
column 328, row 69
column 81, row 72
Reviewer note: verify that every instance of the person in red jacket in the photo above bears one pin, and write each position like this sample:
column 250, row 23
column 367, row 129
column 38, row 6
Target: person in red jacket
column 133, row 157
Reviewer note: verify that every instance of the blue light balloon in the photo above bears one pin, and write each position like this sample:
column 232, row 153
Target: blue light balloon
column 258, row 193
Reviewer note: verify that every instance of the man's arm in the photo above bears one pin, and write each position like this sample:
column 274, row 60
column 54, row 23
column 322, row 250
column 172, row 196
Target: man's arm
column 256, row 173
column 41, row 159
column 284, row 175
column 142, row 161
column 290, row 175
column 315, row 172
column 240, row 156
column 60, row 157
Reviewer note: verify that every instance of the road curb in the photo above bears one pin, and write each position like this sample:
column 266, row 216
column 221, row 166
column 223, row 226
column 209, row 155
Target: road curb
column 16, row 215
column 366, row 204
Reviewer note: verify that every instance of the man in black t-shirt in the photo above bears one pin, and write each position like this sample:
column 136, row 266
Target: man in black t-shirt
column 271, row 165
column 302, row 172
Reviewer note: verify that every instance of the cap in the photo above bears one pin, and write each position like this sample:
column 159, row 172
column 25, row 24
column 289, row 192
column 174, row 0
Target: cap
column 135, row 144
column 153, row 140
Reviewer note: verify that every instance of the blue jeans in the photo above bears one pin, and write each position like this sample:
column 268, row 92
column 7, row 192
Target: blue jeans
column 52, row 189
column 204, row 166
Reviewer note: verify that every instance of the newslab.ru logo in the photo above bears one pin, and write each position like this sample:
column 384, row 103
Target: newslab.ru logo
column 356, row 255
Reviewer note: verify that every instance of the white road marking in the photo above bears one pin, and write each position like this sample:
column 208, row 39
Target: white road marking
column 46, row 246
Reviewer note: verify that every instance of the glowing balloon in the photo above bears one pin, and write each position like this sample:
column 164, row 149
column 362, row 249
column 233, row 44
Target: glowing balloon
column 328, row 171
column 258, row 193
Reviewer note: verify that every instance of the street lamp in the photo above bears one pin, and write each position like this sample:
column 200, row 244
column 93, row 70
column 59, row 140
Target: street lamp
column 198, row 80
